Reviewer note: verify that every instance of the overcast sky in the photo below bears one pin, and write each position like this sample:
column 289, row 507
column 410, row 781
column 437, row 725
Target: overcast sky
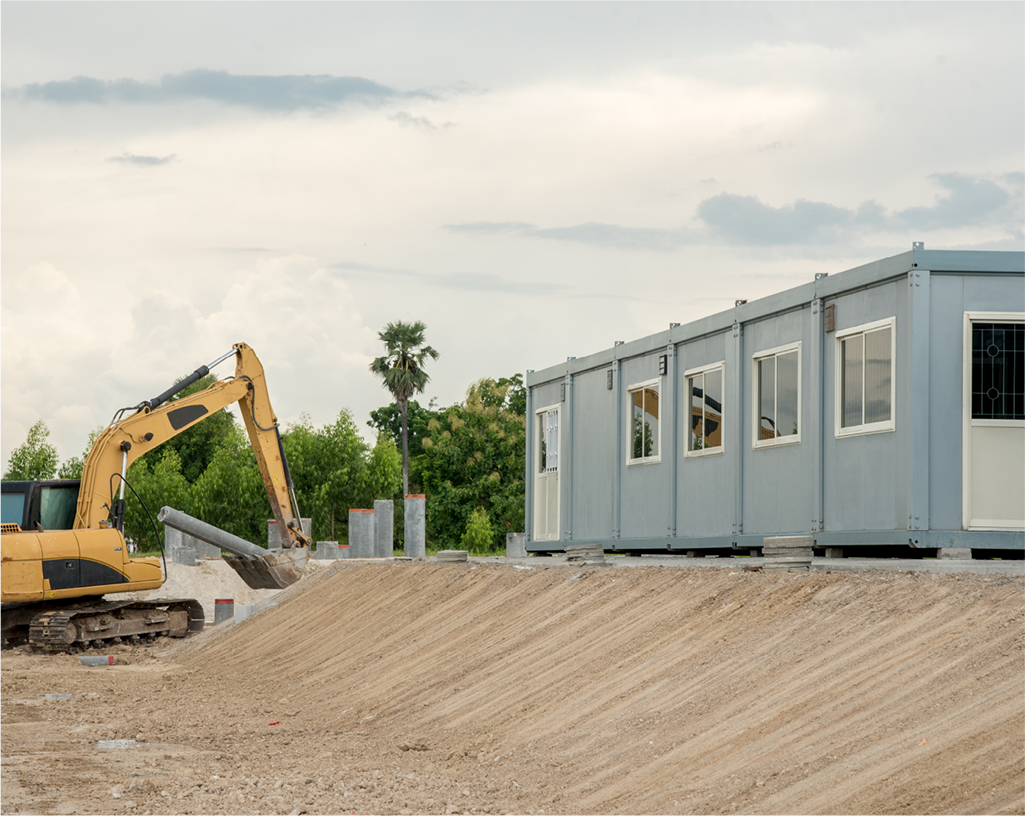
column 532, row 180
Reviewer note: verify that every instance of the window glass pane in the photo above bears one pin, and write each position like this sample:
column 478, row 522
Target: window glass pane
column 998, row 371
column 553, row 441
column 877, row 376
column 852, row 374
column 542, row 463
column 57, row 507
column 12, row 506
column 713, row 409
column 650, row 422
column 767, row 398
column 637, row 425
column 695, row 410
column 786, row 394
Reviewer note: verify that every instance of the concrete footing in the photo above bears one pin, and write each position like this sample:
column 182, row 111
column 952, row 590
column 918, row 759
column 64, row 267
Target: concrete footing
column 186, row 556
column 326, row 551
column 515, row 545
column 274, row 538
column 224, row 609
column 834, row 552
column 343, row 550
column 384, row 528
column 960, row 553
column 361, row 534
column 175, row 540
column 415, row 527
column 243, row 611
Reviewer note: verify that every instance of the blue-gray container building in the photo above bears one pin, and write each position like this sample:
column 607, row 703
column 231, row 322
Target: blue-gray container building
column 881, row 406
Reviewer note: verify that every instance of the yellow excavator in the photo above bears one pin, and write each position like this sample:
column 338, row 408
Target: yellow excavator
column 62, row 543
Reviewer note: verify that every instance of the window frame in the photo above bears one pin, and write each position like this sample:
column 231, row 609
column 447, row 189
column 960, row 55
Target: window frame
column 656, row 457
column 864, row 429
column 689, row 374
column 793, row 439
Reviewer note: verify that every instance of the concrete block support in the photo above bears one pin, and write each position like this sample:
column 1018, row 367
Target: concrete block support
column 274, row 539
column 326, row 551
column 960, row 553
column 343, row 550
column 361, row 534
column 224, row 609
column 243, row 611
column 415, row 527
column 186, row 556
column 384, row 528
column 515, row 545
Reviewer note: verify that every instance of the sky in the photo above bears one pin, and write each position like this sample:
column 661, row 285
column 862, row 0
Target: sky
column 533, row 181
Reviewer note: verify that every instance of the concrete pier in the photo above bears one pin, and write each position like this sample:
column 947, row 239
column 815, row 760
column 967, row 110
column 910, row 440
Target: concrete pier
column 515, row 545
column 274, row 538
column 326, row 551
column 224, row 609
column 384, row 528
column 175, row 540
column 415, row 527
column 361, row 534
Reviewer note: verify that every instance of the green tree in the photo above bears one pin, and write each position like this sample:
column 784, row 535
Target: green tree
column 474, row 458
column 158, row 482
column 327, row 467
column 402, row 372
column 388, row 420
column 197, row 444
column 478, row 535
column 35, row 459
column 230, row 493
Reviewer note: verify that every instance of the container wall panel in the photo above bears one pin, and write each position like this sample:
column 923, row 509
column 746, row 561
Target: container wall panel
column 946, row 370
column 704, row 504
column 866, row 475
column 594, row 455
column 645, row 487
column 778, row 482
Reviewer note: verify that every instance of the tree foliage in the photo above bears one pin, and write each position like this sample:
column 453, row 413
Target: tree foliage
column 35, row 459
column 387, row 420
column 198, row 444
column 474, row 458
column 402, row 371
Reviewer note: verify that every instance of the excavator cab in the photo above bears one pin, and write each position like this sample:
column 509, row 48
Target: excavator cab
column 45, row 505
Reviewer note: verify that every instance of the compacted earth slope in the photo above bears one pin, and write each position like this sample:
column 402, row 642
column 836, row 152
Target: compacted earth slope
column 479, row 688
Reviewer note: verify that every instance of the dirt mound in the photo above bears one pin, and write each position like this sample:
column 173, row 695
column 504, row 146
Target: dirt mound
column 390, row 688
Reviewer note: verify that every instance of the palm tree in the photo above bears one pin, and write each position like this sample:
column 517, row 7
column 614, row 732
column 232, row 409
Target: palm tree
column 402, row 370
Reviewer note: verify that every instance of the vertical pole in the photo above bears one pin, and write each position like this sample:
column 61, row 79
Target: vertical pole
column 566, row 459
column 617, row 474
column 741, row 415
column 531, row 471
column 817, row 424
column 669, row 446
column 917, row 408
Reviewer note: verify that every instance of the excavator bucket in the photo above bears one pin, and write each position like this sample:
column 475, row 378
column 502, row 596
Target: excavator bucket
column 275, row 570
column 259, row 568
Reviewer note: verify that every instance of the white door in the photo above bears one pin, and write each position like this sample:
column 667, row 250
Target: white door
column 546, row 476
column 994, row 410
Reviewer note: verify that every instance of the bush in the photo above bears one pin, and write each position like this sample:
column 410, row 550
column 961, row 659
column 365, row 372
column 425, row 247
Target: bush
column 478, row 535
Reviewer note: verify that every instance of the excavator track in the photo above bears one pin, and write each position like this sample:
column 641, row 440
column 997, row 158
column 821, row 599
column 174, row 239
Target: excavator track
column 68, row 628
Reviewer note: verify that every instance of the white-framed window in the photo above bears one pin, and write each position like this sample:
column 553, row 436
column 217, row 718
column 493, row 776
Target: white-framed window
column 865, row 385
column 777, row 396
column 644, row 432
column 704, row 410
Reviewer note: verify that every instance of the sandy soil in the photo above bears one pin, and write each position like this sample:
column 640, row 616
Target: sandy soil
column 422, row 688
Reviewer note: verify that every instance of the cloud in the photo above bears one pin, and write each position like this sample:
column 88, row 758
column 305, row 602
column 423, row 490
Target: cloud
column 608, row 236
column 265, row 93
column 462, row 281
column 965, row 201
column 143, row 161
column 419, row 122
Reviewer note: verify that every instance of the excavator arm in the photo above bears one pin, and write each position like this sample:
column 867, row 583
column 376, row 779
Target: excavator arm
column 101, row 495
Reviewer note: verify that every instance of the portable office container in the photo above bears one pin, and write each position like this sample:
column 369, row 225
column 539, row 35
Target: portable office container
column 883, row 406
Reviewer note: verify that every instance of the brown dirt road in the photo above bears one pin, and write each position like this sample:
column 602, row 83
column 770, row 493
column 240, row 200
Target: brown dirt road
column 480, row 688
